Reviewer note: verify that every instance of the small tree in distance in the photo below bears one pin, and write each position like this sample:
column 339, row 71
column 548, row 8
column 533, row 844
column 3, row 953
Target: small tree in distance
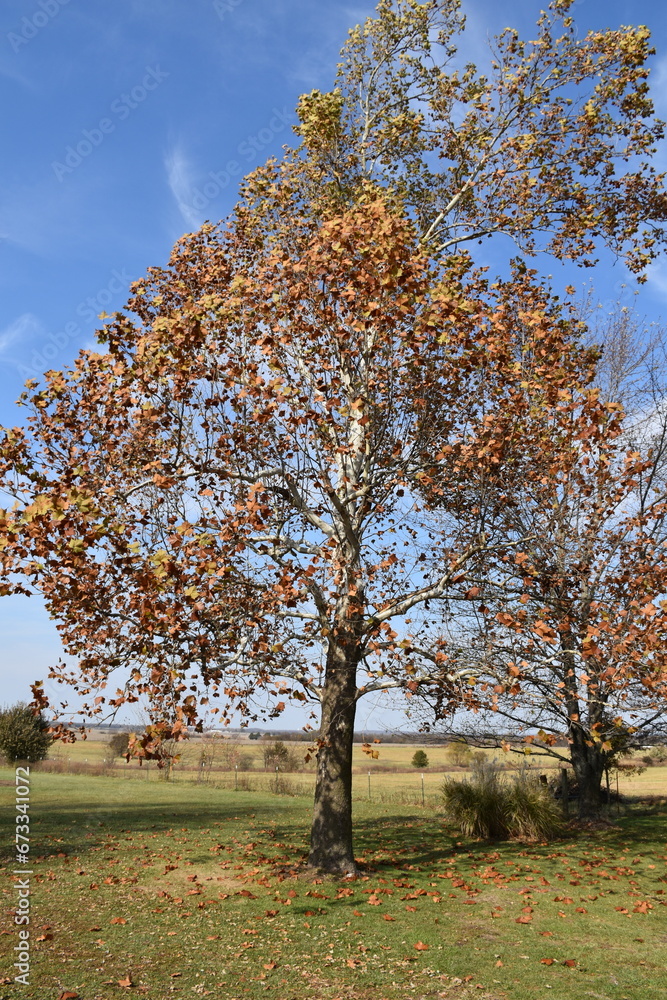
column 118, row 744
column 420, row 759
column 459, row 753
column 23, row 735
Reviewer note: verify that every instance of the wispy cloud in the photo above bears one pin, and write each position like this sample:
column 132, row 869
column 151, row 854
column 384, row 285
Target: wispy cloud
column 180, row 180
column 23, row 328
column 656, row 275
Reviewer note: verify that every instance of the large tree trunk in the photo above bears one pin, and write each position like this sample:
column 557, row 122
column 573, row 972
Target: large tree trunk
column 331, row 834
column 588, row 764
column 587, row 756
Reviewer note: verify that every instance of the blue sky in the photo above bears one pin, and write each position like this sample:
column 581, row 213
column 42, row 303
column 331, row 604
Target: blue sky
column 128, row 123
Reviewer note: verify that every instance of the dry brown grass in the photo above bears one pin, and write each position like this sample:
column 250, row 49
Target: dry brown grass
column 392, row 777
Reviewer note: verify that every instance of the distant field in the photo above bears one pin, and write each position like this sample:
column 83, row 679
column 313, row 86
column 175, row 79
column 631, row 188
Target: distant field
column 392, row 778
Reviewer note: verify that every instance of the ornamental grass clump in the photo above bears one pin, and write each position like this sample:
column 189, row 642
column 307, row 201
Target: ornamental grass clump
column 532, row 811
column 490, row 808
column 478, row 805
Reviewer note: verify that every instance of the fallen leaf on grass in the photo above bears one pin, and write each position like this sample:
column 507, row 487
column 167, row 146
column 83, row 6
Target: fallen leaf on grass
column 94, row 929
column 44, row 937
column 570, row 962
column 547, row 933
column 118, row 920
column 175, row 975
column 420, row 946
column 546, row 961
column 388, row 917
column 357, row 913
column 411, row 909
column 68, row 995
column 270, row 965
column 127, row 982
column 525, row 919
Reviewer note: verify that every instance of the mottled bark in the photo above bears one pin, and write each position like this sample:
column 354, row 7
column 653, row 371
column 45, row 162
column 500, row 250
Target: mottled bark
column 588, row 763
column 331, row 834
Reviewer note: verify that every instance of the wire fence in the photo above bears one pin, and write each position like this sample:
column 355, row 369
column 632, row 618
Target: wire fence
column 383, row 786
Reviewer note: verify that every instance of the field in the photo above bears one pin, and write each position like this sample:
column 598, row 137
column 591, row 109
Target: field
column 388, row 779
column 179, row 889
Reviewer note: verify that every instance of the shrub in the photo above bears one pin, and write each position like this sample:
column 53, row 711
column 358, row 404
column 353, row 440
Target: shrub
column 487, row 807
column 118, row 745
column 533, row 813
column 478, row 805
column 420, row 759
column 459, row 753
column 277, row 755
column 23, row 736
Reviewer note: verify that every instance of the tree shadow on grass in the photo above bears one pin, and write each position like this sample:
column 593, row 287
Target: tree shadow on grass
column 386, row 843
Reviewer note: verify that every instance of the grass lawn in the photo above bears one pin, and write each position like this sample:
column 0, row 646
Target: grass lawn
column 185, row 890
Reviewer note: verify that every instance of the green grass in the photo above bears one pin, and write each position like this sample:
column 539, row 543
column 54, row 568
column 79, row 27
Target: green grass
column 249, row 925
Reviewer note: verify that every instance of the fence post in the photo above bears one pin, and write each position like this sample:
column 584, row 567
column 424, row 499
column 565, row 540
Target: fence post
column 236, row 777
column 369, row 786
column 565, row 791
column 606, row 773
column 423, row 801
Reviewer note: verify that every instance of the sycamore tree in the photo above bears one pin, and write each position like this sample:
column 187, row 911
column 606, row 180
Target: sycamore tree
column 262, row 484
column 244, row 493
column 569, row 636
